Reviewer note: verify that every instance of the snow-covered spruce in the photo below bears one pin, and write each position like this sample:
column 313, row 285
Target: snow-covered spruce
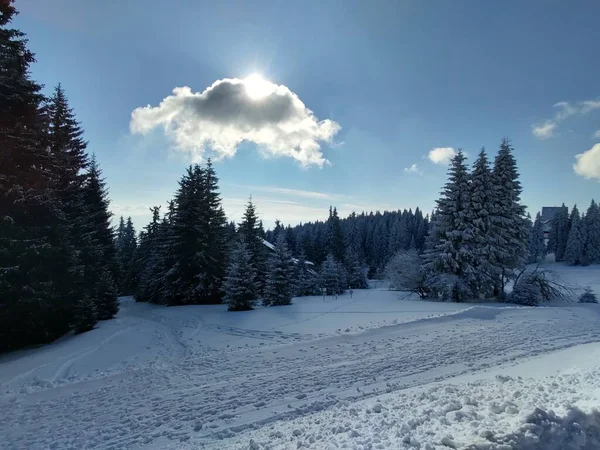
column 279, row 285
column 241, row 288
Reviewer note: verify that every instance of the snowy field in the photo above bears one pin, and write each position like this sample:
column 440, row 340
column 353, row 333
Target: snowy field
column 374, row 371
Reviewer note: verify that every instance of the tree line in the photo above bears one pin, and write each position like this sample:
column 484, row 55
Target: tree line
column 574, row 237
column 58, row 268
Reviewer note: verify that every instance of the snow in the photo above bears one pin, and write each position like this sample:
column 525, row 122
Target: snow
column 377, row 370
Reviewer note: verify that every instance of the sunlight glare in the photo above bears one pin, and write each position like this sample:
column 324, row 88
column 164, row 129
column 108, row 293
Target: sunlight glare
column 257, row 87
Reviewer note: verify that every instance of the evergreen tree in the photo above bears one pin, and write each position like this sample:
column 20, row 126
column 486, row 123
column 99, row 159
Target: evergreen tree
column 451, row 269
column 279, row 286
column 251, row 231
column 306, row 282
column 355, row 273
column 591, row 235
column 107, row 303
column 537, row 247
column 68, row 149
column 147, row 257
column 214, row 231
column 332, row 276
column 240, row 284
column 36, row 257
column 290, row 239
column 98, row 252
column 125, row 254
column 334, row 240
column 84, row 316
column 508, row 215
column 574, row 248
column 483, row 234
column 559, row 233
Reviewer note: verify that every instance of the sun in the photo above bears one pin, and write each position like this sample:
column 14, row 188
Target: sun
column 257, row 87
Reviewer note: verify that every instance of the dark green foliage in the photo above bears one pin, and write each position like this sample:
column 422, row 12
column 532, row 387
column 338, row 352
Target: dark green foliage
column 84, row 316
column 98, row 253
column 126, row 245
column 36, row 258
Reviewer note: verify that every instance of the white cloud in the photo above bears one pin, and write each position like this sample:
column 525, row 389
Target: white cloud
column 587, row 164
column 235, row 110
column 413, row 169
column 269, row 209
column 290, row 192
column 442, row 155
column 547, row 129
column 596, row 135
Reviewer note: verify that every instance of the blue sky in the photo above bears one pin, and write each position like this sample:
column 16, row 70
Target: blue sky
column 398, row 79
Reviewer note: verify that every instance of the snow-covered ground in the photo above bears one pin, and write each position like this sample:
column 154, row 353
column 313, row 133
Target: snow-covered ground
column 376, row 370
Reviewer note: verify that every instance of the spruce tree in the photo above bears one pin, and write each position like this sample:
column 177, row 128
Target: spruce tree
column 334, row 240
column 591, row 234
column 483, row 234
column 306, row 283
column 126, row 255
column 279, row 286
column 332, row 276
column 250, row 229
column 559, row 233
column 98, row 250
column 450, row 268
column 574, row 248
column 241, row 289
column 214, row 231
column 508, row 215
column 537, row 247
column 36, row 256
column 356, row 277
column 84, row 315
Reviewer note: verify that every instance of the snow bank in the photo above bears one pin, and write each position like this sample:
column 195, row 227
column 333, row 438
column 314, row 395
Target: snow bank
column 507, row 413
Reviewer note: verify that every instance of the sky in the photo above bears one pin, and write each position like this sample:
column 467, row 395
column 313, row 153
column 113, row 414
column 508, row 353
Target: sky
column 303, row 105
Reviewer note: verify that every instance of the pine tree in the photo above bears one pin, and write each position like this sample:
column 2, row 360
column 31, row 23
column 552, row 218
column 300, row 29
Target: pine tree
column 591, row 235
column 84, row 316
column 66, row 145
column 107, row 305
column 279, row 286
column 306, row 282
column 215, row 224
column 147, row 257
column 98, row 252
column 251, row 231
column 559, row 233
column 126, row 255
column 355, row 274
column 574, row 248
column 36, row 257
column 508, row 215
column 240, row 284
column 450, row 269
column 335, row 237
column 332, row 276
column 537, row 247
column 483, row 234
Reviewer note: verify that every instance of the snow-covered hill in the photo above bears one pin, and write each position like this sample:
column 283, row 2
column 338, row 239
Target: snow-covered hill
column 372, row 371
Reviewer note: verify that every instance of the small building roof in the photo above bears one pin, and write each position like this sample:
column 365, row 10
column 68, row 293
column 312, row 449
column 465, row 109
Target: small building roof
column 548, row 212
